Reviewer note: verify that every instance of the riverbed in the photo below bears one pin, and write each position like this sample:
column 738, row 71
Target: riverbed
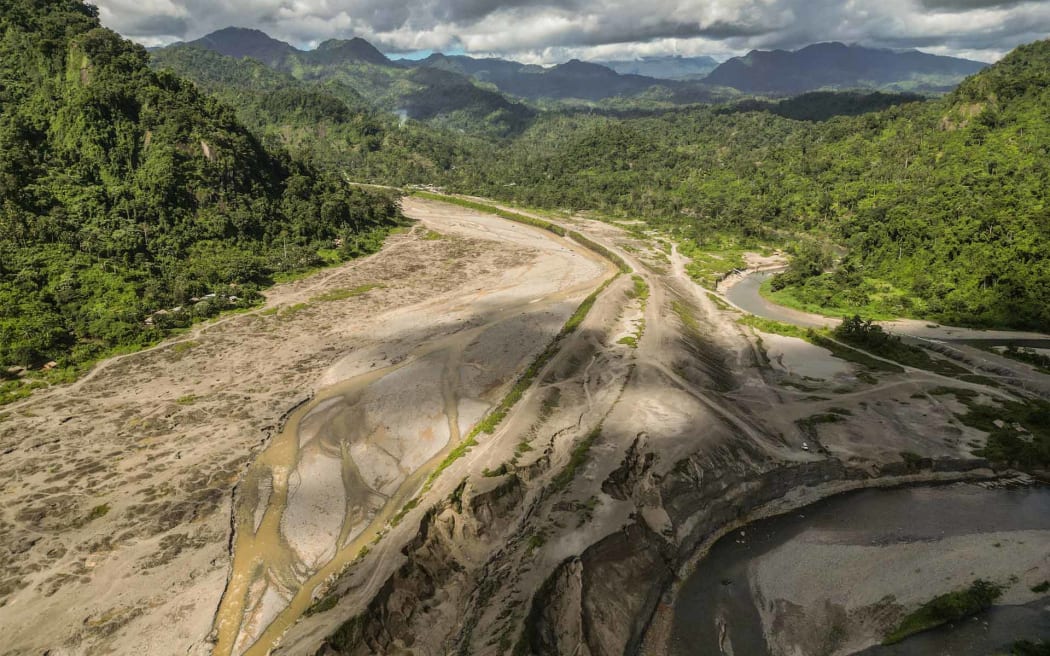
column 832, row 577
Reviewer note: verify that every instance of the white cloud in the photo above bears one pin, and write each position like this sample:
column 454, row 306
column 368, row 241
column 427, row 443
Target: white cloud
column 553, row 30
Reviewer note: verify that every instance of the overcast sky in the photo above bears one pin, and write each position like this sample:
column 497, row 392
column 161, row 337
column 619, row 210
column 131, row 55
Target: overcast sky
column 548, row 31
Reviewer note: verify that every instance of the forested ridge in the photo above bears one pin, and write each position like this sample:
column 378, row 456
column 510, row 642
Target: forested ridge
column 124, row 192
column 941, row 205
column 323, row 120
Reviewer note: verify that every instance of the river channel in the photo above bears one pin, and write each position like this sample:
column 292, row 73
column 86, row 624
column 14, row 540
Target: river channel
column 717, row 613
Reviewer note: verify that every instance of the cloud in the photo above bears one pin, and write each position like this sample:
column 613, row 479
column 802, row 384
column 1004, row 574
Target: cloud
column 553, row 30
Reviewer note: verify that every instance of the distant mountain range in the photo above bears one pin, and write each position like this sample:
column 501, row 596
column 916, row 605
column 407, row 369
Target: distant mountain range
column 459, row 91
column 478, row 88
column 573, row 79
column 838, row 66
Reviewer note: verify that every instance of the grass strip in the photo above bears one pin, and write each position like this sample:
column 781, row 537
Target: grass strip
column 950, row 607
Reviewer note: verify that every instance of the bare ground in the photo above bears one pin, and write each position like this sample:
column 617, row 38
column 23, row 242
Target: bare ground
column 116, row 490
column 561, row 532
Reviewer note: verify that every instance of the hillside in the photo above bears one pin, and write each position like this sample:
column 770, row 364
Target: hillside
column 238, row 42
column 575, row 81
column 125, row 192
column 942, row 204
column 838, row 66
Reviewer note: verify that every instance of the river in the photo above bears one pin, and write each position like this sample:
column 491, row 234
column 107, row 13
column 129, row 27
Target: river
column 717, row 603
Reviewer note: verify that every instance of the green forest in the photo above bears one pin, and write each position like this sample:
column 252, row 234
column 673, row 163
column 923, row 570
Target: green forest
column 125, row 192
column 940, row 206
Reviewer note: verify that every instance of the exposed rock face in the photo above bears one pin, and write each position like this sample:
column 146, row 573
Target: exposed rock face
column 599, row 602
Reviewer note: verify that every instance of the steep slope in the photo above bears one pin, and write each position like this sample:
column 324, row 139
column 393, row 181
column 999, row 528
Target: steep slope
column 327, row 122
column 339, row 51
column 307, row 117
column 124, row 192
column 835, row 65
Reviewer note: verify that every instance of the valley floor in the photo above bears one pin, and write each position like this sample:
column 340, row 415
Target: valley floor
column 655, row 425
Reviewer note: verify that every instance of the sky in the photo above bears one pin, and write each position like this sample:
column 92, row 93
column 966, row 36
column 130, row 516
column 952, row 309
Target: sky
column 551, row 31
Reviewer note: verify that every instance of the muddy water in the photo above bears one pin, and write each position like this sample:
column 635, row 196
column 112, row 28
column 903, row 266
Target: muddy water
column 715, row 608
column 331, row 479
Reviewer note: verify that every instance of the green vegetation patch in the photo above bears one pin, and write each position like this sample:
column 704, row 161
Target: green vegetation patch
column 640, row 289
column 323, row 604
column 824, row 296
column 950, row 607
column 775, row 327
column 536, row 541
column 180, row 348
column 98, row 511
column 1026, row 355
column 576, row 460
column 719, row 303
column 708, row 267
column 601, row 250
column 869, row 336
column 1018, row 431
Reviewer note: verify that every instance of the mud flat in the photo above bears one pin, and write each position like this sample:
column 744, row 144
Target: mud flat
column 837, row 576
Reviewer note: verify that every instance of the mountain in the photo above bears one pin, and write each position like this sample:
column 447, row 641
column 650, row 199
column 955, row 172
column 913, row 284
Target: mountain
column 488, row 69
column 239, row 42
column 338, row 51
column 125, row 191
column 838, row 66
column 664, row 68
column 443, row 97
column 574, row 80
